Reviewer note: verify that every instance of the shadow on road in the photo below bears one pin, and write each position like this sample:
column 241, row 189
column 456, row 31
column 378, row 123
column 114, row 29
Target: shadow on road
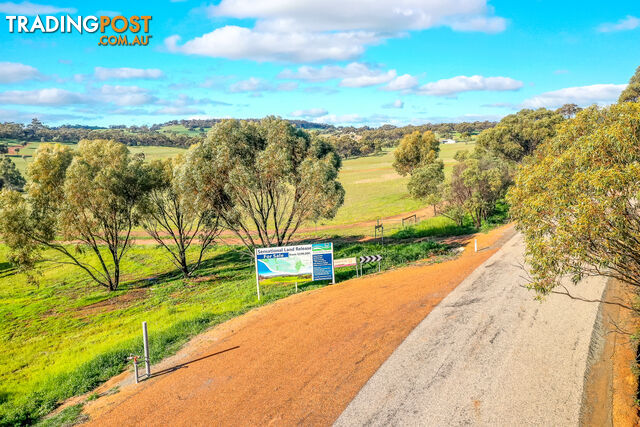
column 185, row 364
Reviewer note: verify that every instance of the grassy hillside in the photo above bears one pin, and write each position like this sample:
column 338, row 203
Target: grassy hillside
column 374, row 189
column 66, row 335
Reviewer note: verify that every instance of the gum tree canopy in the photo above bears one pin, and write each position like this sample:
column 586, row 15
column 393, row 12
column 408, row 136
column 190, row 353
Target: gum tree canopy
column 517, row 135
column 264, row 179
column 578, row 200
column 89, row 197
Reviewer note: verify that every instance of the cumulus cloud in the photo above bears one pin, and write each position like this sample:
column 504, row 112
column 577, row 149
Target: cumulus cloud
column 123, row 73
column 28, row 8
column 625, row 24
column 347, row 15
column 13, row 72
column 252, row 84
column 455, row 85
column 233, row 42
column 313, row 112
column 177, row 111
column 600, row 94
column 404, row 82
column 369, row 80
column 313, row 31
column 256, row 85
column 126, row 95
column 47, row 97
column 395, row 104
column 355, row 74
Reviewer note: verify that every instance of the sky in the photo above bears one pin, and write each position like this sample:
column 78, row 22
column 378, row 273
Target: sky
column 341, row 62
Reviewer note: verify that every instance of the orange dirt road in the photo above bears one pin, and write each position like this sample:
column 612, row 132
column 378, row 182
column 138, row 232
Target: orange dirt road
column 300, row 360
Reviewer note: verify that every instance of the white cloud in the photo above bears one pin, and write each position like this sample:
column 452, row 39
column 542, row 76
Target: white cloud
column 13, row 72
column 455, row 85
column 125, row 95
column 28, row 8
column 369, row 80
column 355, row 74
column 102, row 73
column 177, row 111
column 395, row 104
column 51, row 96
column 256, row 85
column 313, row 112
column 404, row 82
column 601, row 94
column 336, row 30
column 234, row 42
column 348, row 15
column 626, row 24
column 252, row 84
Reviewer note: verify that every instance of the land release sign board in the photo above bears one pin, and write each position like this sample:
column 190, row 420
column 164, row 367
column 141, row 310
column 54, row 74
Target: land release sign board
column 288, row 264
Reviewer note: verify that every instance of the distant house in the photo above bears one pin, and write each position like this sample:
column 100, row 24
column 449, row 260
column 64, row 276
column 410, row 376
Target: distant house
column 449, row 141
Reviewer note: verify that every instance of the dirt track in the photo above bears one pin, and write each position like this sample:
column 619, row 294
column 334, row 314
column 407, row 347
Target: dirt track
column 300, row 360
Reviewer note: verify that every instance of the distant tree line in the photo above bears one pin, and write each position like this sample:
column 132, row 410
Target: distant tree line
column 36, row 131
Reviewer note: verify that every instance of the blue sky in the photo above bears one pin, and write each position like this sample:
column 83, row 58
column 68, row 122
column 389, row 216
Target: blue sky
column 344, row 62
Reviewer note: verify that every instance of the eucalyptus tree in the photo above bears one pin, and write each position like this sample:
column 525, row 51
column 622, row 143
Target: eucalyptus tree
column 171, row 216
column 264, row 179
column 577, row 199
column 79, row 202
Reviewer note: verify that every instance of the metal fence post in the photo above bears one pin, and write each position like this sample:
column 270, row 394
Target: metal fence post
column 145, row 339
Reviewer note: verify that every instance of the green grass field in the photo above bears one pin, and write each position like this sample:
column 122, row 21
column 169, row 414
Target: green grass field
column 180, row 129
column 375, row 190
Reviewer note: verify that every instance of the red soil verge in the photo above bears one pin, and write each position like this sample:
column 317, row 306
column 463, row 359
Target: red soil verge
column 300, row 360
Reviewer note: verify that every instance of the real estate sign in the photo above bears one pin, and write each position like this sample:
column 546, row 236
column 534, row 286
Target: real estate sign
column 288, row 264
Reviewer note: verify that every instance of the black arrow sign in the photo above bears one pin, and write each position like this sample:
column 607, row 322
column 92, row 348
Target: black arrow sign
column 370, row 258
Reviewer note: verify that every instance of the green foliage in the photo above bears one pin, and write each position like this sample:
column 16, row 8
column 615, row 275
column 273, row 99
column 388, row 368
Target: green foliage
column 576, row 201
column 478, row 181
column 10, row 177
column 518, row 135
column 416, row 150
column 90, row 197
column 426, row 181
column 171, row 217
column 632, row 92
column 267, row 175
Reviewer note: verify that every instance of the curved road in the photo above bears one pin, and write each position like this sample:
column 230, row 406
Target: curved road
column 488, row 354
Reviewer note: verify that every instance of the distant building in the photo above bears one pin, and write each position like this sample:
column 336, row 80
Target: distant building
column 449, row 141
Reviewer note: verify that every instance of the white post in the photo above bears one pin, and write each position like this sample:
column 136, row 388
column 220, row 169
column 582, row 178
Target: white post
column 296, row 287
column 255, row 260
column 145, row 339
column 333, row 267
column 475, row 242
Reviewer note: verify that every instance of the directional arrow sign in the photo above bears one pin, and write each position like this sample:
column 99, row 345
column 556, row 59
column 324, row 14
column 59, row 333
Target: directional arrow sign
column 370, row 258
